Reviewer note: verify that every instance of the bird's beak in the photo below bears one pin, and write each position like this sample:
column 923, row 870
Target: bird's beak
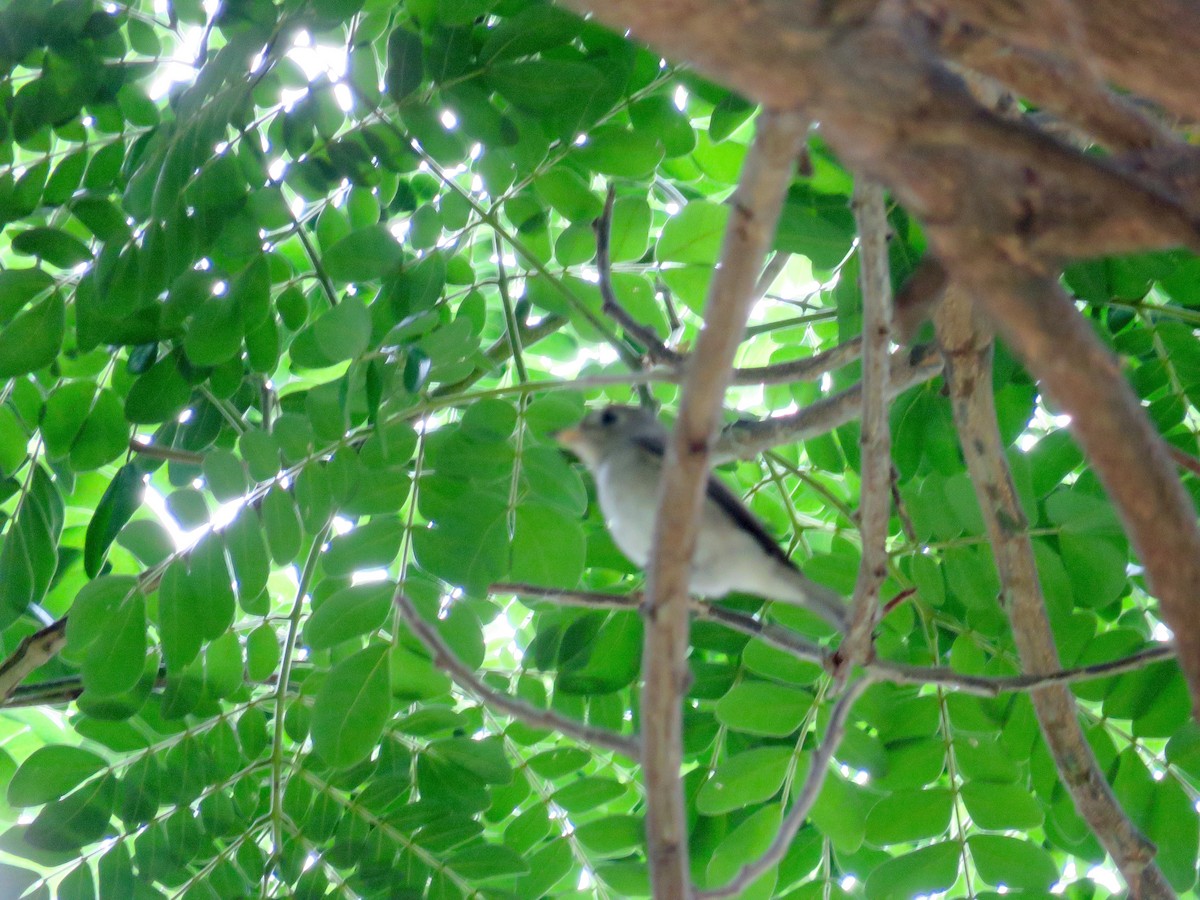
column 568, row 437
column 575, row 441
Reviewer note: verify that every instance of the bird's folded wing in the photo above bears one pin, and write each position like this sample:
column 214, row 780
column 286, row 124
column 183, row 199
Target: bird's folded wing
column 729, row 502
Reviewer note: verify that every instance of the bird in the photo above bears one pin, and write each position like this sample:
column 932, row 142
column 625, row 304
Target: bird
column 624, row 448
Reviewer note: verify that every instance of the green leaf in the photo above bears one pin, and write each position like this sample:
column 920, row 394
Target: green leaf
column 1013, row 862
column 225, row 474
column 471, row 549
column 369, row 546
column 351, row 708
column 546, row 87
column 178, row 627
column 282, row 523
column 344, row 331
column 54, row 245
column 262, row 653
column 536, row 27
column 745, row 779
column 612, row 835
column 214, row 333
column 120, row 501
column 211, row 583
column 104, row 435
column 748, row 841
column 587, row 793
column 14, row 442
column 352, row 611
column 1096, row 567
column 483, row 758
column 18, row 287
column 1001, row 807
column 908, row 816
column 405, row 67
column 568, row 193
column 548, row 547
column 487, row 863
column 694, row 234
column 558, row 762
column 759, row 707
column 78, row 820
column 117, row 657
column 33, row 339
column 246, row 549
column 930, row 870
column 51, row 772
column 94, row 606
column 620, row 152
column 223, row 666
column 363, row 255
column 29, row 556
column 159, row 393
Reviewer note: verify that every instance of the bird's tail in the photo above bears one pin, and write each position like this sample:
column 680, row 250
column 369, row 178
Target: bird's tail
column 798, row 589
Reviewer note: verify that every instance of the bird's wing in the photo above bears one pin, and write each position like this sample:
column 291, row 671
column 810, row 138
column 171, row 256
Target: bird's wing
column 729, row 502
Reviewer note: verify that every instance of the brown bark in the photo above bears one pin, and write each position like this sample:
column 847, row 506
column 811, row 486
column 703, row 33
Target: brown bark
column 967, row 348
column 757, row 202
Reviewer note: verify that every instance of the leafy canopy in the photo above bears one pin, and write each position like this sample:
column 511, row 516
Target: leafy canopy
column 329, row 264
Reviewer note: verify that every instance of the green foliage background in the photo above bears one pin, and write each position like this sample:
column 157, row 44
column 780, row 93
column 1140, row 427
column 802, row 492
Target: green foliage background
column 350, row 303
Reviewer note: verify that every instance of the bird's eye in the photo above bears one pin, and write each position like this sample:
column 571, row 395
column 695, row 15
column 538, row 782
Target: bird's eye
column 608, row 417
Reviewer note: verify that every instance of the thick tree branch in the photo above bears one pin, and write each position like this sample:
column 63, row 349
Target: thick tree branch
column 875, row 496
column 868, row 72
column 765, row 177
column 967, row 349
column 1068, row 88
column 1151, row 48
column 1083, row 379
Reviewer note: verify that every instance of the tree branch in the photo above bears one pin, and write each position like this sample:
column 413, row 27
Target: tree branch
column 875, row 495
column 766, row 174
column 445, row 659
column 892, row 111
column 967, row 347
column 813, row 782
column 31, row 654
column 789, row 642
column 746, row 439
column 1125, row 450
column 1068, row 87
column 656, row 350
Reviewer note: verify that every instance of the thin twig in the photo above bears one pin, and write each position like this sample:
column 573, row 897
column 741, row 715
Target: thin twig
column 1184, row 460
column 170, row 454
column 784, row 639
column 813, row 782
column 656, row 350
column 511, row 325
column 775, row 265
column 746, row 439
column 445, row 659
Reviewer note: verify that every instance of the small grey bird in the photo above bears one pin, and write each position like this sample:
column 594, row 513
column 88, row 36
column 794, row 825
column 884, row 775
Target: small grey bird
column 624, row 447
